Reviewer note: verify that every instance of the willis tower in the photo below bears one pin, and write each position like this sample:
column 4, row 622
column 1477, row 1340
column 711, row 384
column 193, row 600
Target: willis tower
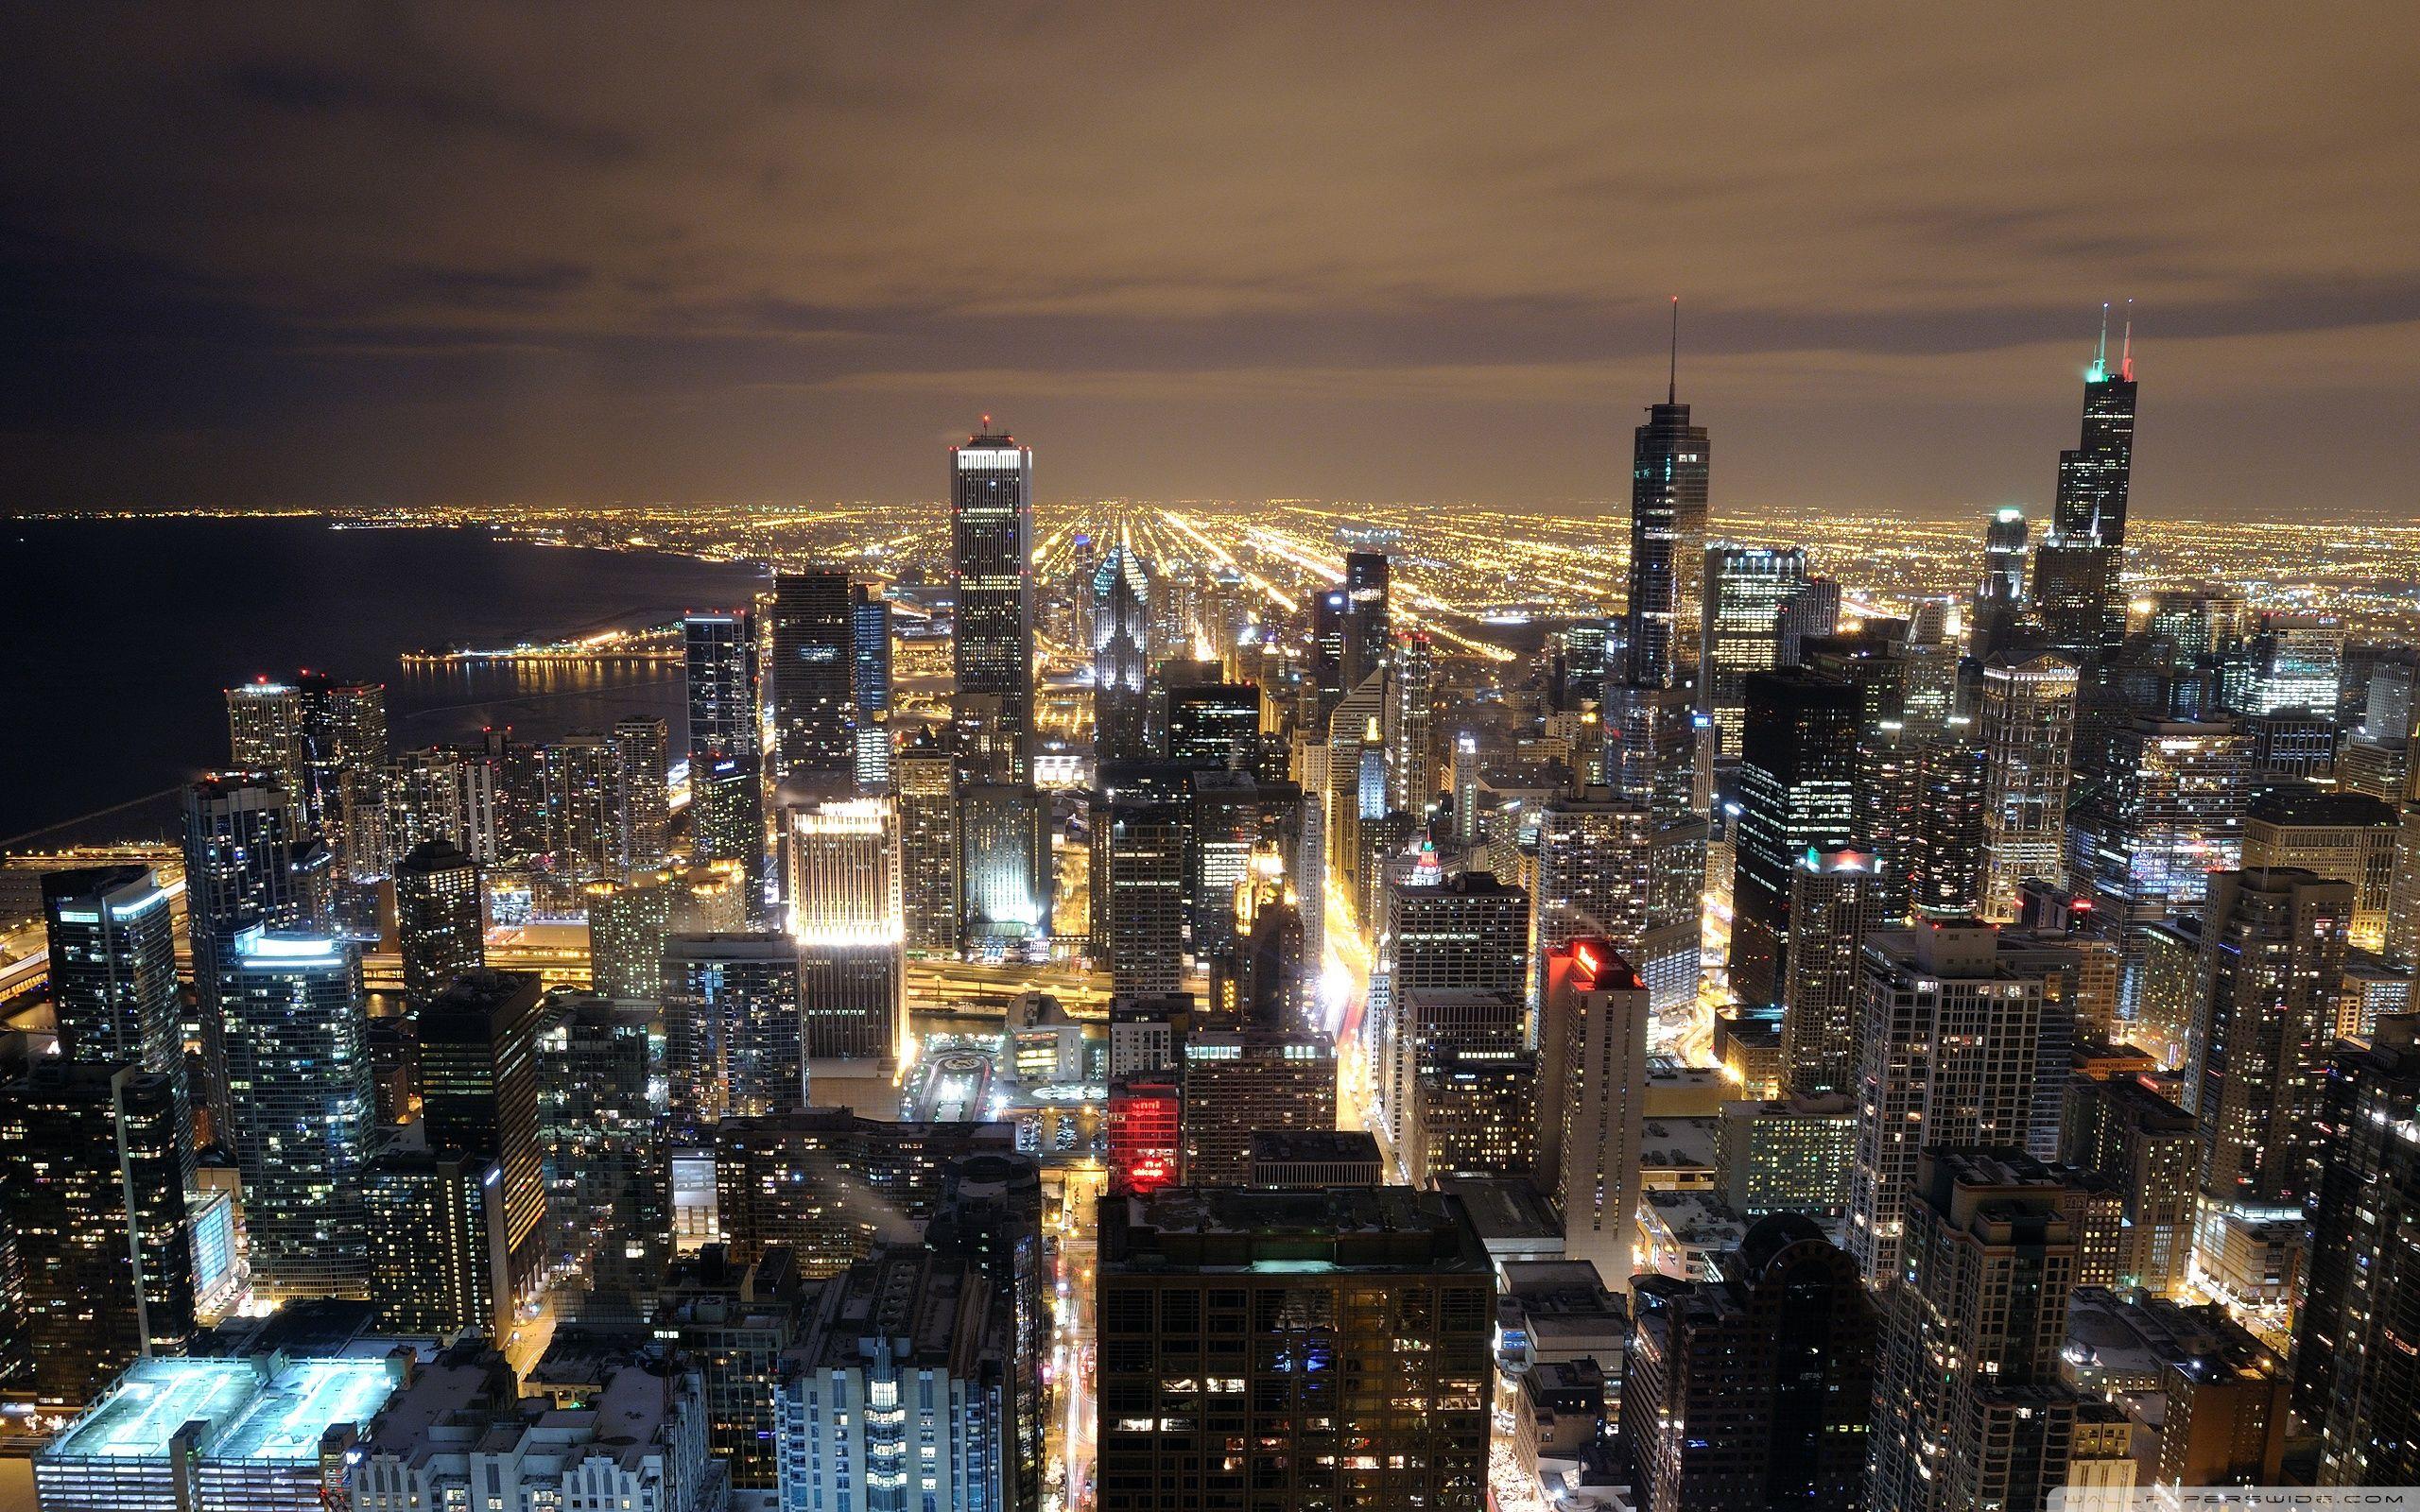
column 2076, row 582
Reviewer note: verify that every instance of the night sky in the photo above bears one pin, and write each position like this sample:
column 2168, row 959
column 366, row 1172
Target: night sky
column 395, row 254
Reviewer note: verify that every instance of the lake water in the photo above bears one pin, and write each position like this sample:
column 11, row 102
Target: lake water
column 122, row 634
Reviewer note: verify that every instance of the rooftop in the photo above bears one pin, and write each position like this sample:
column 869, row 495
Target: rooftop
column 257, row 1408
column 1320, row 1145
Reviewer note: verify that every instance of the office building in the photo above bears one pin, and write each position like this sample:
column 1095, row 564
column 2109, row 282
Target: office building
column 2149, row 1150
column 1004, row 856
column 1368, row 628
column 256, row 1433
column 825, row 1186
column 1950, row 1053
column 1473, row 1112
column 628, row 923
column 1834, row 903
column 870, row 692
column 1142, row 1131
column 301, row 1116
column 1288, row 1157
column 928, row 858
column 2271, row 972
column 1463, row 933
column 641, row 764
column 991, row 570
column 1787, row 1154
column 1143, row 901
column 1943, row 844
column 2000, row 602
column 734, row 1041
column 853, row 1019
column 1214, row 723
column 1121, row 654
column 2291, row 661
column 1239, row 1082
column 93, row 1167
column 113, row 967
column 2077, row 592
column 479, row 1086
column 440, row 929
column 1326, row 1282
column 844, row 882
column 1798, row 760
column 1969, row 1409
column 903, row 1387
column 2346, row 837
column 2027, row 734
column 1747, row 589
column 1592, row 1100
column 436, row 1233
column 1753, row 1388
column 814, row 651
column 1671, row 462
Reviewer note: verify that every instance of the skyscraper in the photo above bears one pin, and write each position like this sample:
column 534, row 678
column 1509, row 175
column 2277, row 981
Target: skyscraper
column 1797, row 790
column 1747, row 588
column 1753, row 1388
column 870, row 688
column 2077, row 590
column 733, row 1039
column 2028, row 729
column 1834, row 904
column 814, row 642
column 439, row 915
column 581, row 788
column 2147, row 1149
column 1671, row 463
column 264, row 734
column 928, row 859
column 992, row 569
column 1592, row 1100
column 1144, row 902
column 249, row 861
column 113, row 968
column 1368, row 630
column 1121, row 649
column 2000, row 600
column 1951, row 1041
column 301, row 1115
column 435, row 1227
column 641, row 759
column 479, row 1062
column 1239, row 1083
column 719, row 655
column 2347, row 837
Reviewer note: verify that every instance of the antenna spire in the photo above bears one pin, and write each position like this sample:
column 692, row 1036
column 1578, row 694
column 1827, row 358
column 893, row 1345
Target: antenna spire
column 1672, row 377
column 2101, row 351
column 2126, row 350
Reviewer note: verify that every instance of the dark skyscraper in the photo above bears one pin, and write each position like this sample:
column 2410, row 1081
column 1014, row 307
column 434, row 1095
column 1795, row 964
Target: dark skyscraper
column 992, row 568
column 1999, row 599
column 1667, row 513
column 721, row 662
column 813, row 648
column 1366, row 626
column 1797, row 778
column 478, row 1058
column 113, row 967
column 437, row 919
column 2076, row 588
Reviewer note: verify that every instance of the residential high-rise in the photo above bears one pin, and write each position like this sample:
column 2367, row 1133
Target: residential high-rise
column 2166, row 812
column 643, row 813
column 264, row 734
column 1475, row 1112
column 249, row 861
column 1121, row 654
column 447, row 792
column 1237, row 1082
column 1671, row 461
column 2028, row 729
column 1834, row 904
column 478, row 1075
column 2354, row 1378
column 2349, row 837
column 1746, row 590
column 720, row 658
column 929, row 856
column 1608, row 868
column 439, row 923
column 870, row 689
column 2148, row 1149
column 581, row 787
column 1753, row 1388
column 1368, row 630
column 727, row 820
column 1592, row 1100
column 1951, row 1047
column 301, row 1116
column 1411, row 756
column 813, row 646
column 1969, row 1408
column 733, row 1039
column 436, row 1233
column 1327, row 1285
column 2271, row 968
column 1798, row 766
column 1462, row 932
column 92, row 1175
column 1944, row 840
column 113, row 968
column 992, row 570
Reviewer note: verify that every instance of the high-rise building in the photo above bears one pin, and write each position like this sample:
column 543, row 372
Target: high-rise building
column 478, row 1075
column 1213, row 724
column 828, row 1186
column 439, row 930
column 642, row 811
column 1328, row 1283
column 1950, row 1053
column 814, row 647
column 2348, row 837
column 2167, row 811
column 627, row 922
column 1592, row 1100
column 1671, row 462
column 870, row 689
column 992, row 570
column 1753, row 1388
column 2271, row 970
column 1004, row 854
column 1608, row 868
column 1368, row 630
column 2028, row 731
column 93, row 1179
column 1143, row 1128
column 1121, row 652
column 2000, row 600
column 1475, row 1112
column 727, row 820
column 907, row 1375
column 1411, row 756
column 1746, row 590
column 1945, row 841
column 2291, row 661
column 301, row 1116
column 1237, row 1082
column 929, row 855
column 113, row 968
column 1834, row 904
column 2077, row 590
column 733, row 1039
column 720, row 658
column 2148, row 1149
column 1460, row 932
column 2354, row 1380
column 447, row 792
column 844, row 882
column 249, row 861
column 1797, row 790
column 264, row 734
column 1969, row 1408
column 435, row 1230
column 580, row 786
column 1144, row 904
column 1427, row 1028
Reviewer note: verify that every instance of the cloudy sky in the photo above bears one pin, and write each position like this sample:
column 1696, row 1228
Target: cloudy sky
column 393, row 254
